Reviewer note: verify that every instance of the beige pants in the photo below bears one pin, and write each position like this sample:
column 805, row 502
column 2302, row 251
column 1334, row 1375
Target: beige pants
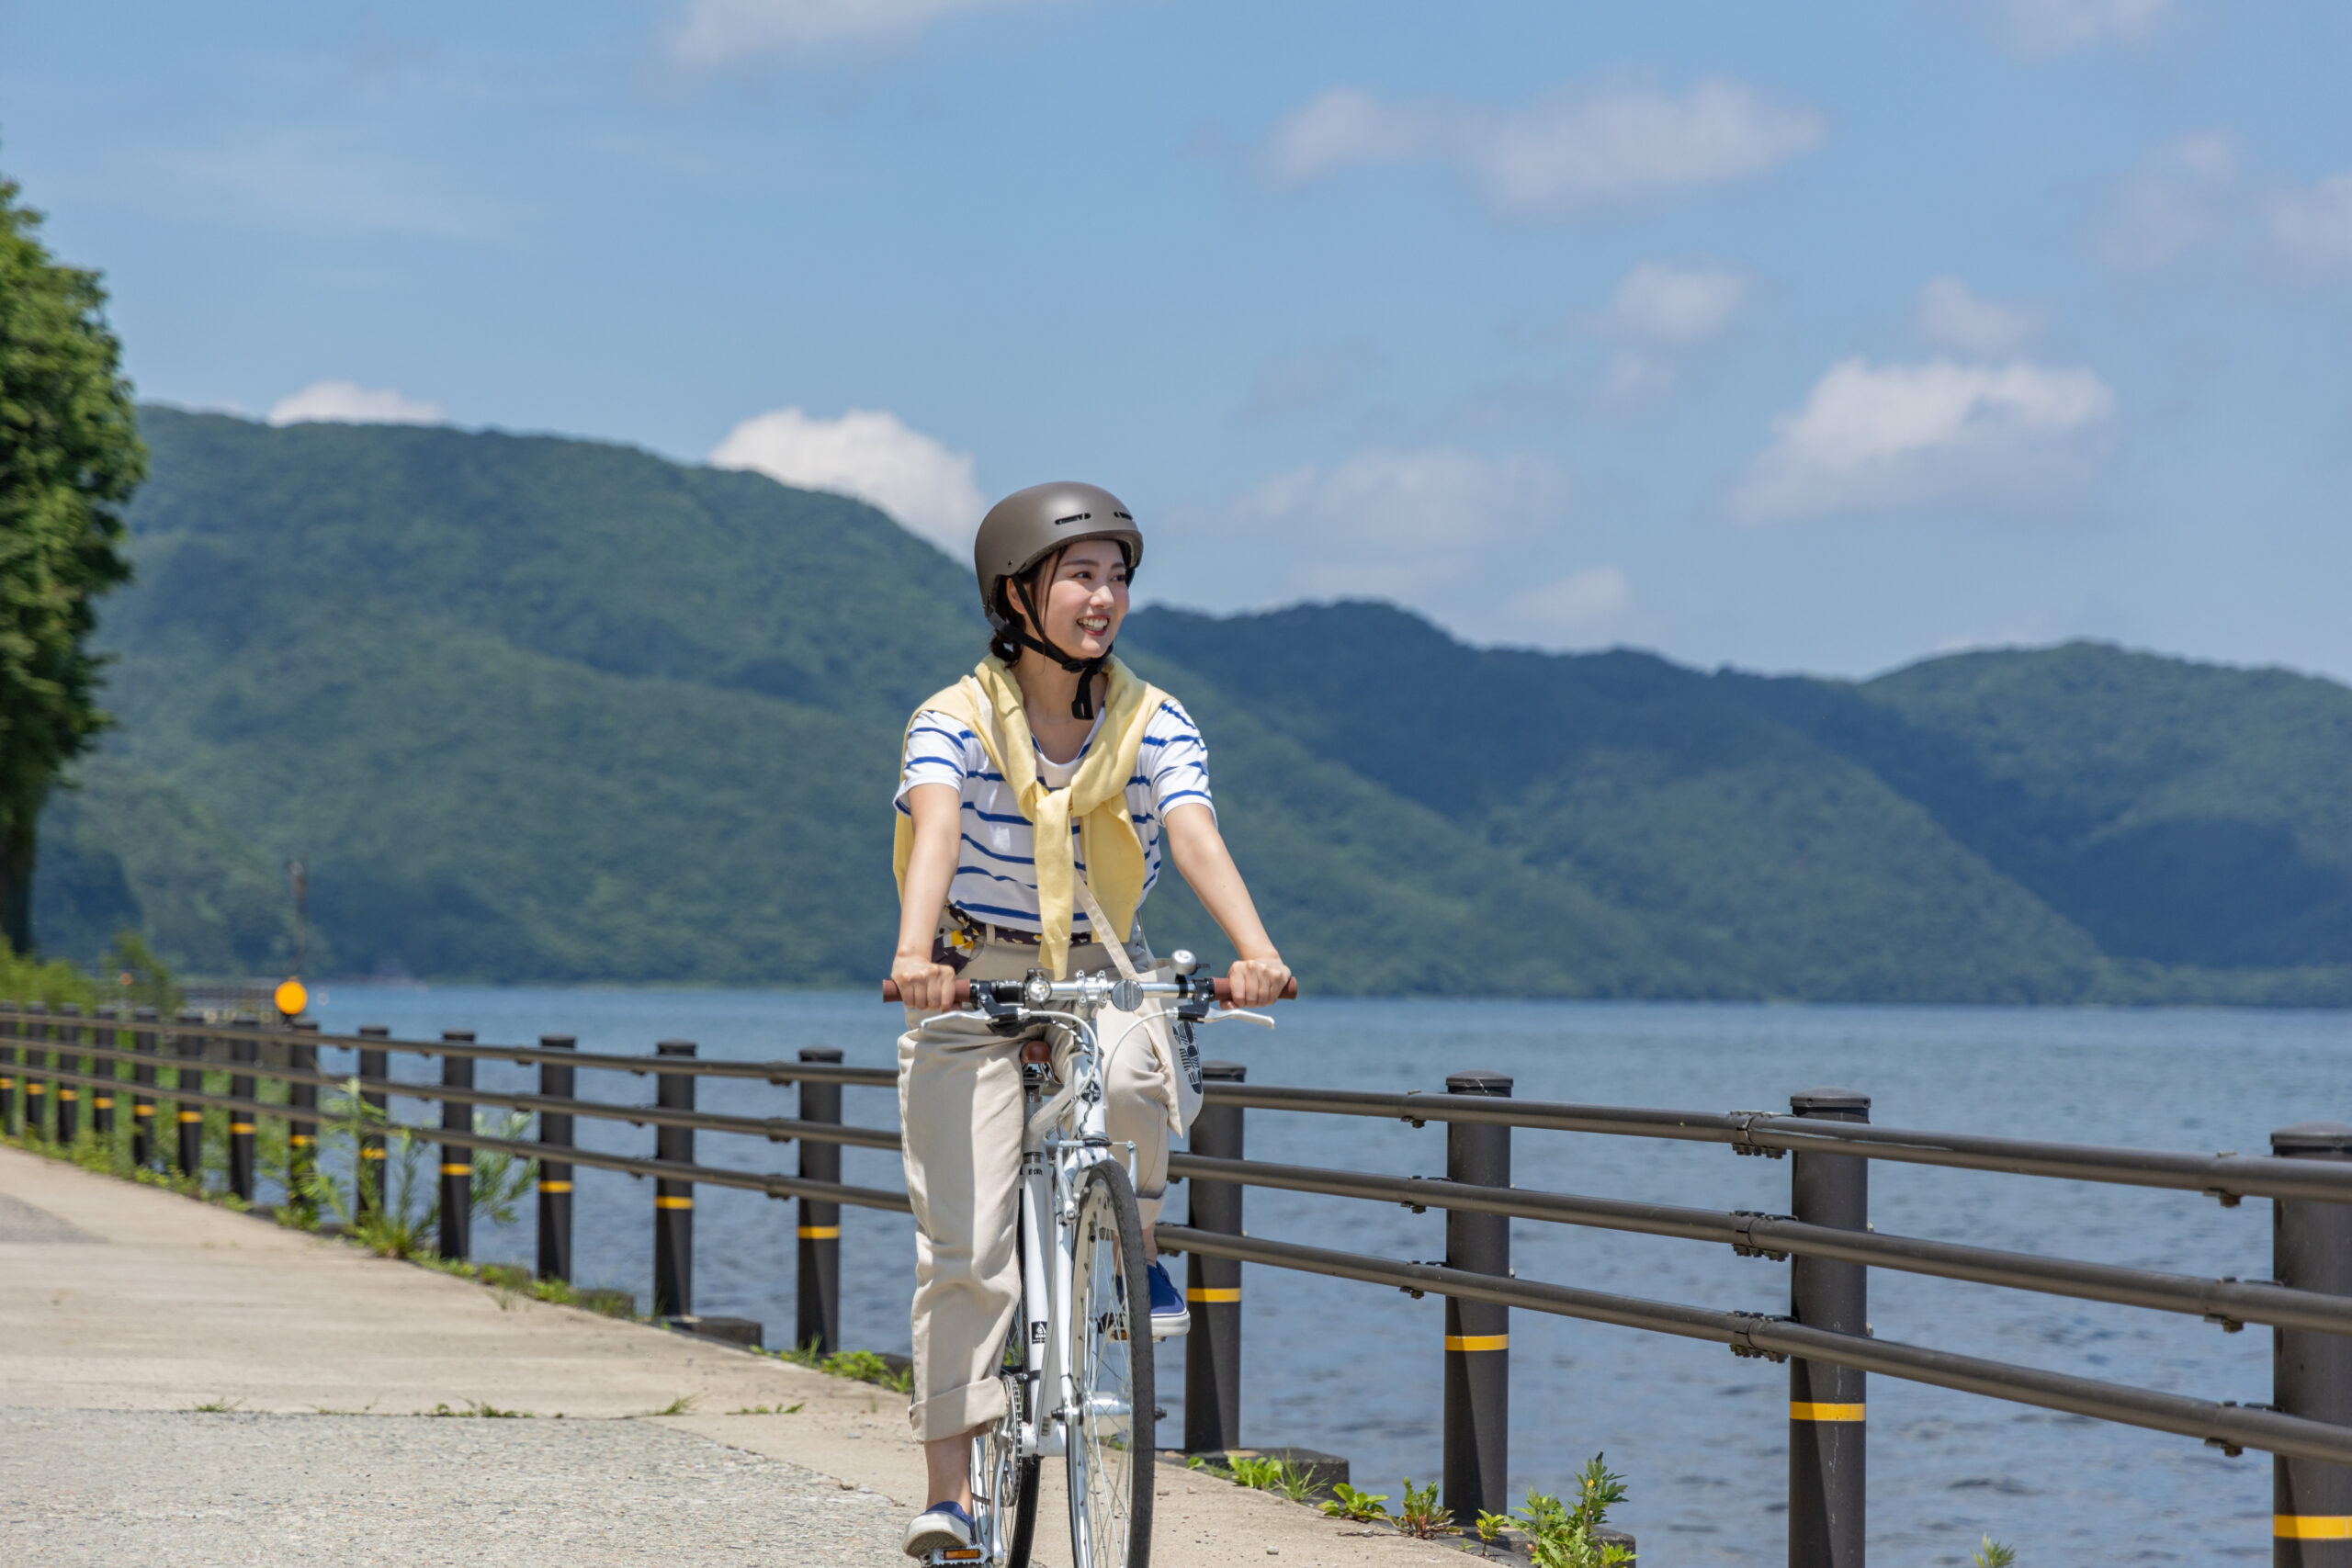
column 960, row 1104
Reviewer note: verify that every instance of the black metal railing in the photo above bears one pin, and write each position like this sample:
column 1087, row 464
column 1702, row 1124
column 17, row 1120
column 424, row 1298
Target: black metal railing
column 50, row 1059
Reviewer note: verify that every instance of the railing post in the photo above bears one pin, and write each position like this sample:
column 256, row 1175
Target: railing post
column 11, row 1114
column 189, row 1045
column 103, row 1034
column 556, row 1081
column 69, row 1093
column 142, row 1102
column 1213, row 1285
column 455, row 1240
column 819, row 1319
column 2311, row 1250
column 368, row 1174
column 1828, row 1435
column 36, row 1088
column 301, row 1132
column 240, row 1123
column 1478, row 1334
column 673, row 1201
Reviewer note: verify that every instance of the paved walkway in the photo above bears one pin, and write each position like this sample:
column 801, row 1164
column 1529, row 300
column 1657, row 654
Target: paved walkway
column 124, row 1310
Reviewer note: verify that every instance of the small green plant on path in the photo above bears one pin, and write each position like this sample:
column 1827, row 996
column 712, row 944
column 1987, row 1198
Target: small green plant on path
column 1492, row 1526
column 216, row 1407
column 1267, row 1472
column 486, row 1411
column 1564, row 1536
column 769, row 1409
column 862, row 1366
column 1419, row 1517
column 1362, row 1507
column 680, row 1405
column 1991, row 1553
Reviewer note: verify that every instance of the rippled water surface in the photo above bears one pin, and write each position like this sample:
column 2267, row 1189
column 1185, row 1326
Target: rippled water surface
column 1700, row 1434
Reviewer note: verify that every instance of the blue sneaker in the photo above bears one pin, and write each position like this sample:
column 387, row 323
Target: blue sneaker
column 945, row 1527
column 1170, row 1315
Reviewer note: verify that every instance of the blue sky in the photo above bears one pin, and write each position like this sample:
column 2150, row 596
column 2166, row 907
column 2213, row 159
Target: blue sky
column 1821, row 337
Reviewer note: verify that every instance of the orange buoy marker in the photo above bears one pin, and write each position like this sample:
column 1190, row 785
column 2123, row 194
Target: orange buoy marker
column 291, row 998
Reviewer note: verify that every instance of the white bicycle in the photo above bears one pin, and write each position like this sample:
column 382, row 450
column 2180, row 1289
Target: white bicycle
column 1077, row 1363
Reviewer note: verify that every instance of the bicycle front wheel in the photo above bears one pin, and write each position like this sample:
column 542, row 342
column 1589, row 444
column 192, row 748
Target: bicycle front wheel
column 1111, row 1434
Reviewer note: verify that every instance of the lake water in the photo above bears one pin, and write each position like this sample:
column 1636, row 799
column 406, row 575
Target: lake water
column 1699, row 1434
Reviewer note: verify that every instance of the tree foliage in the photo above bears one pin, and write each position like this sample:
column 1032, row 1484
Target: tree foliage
column 69, row 457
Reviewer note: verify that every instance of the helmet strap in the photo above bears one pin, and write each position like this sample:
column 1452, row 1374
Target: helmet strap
column 1082, row 705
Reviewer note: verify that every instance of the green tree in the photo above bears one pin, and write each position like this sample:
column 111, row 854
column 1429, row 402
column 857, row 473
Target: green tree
column 69, row 457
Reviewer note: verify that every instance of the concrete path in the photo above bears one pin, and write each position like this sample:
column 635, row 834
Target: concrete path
column 124, row 1309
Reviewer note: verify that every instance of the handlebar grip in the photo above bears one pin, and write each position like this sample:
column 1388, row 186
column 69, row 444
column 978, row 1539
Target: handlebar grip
column 1223, row 990
column 963, row 991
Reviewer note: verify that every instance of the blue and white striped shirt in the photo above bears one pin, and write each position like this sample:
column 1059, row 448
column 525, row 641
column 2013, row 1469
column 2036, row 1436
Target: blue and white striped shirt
column 996, row 875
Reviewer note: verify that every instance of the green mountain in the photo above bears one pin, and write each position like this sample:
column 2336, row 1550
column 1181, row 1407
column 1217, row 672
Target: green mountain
column 546, row 709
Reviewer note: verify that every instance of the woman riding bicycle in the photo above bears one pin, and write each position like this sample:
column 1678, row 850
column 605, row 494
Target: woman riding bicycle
column 1046, row 783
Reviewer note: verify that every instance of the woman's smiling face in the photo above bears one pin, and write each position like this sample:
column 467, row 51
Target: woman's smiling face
column 1085, row 599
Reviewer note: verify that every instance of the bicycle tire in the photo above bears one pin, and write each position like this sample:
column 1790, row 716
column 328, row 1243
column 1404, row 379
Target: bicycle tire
column 1111, row 1441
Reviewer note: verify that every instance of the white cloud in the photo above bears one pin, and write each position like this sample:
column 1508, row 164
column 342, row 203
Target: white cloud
column 1594, row 605
column 727, row 32
column 1399, row 523
column 2313, row 227
column 1949, row 315
column 867, row 454
column 2043, row 30
column 1676, row 304
column 1572, row 148
column 2182, row 194
column 347, row 402
column 1886, row 437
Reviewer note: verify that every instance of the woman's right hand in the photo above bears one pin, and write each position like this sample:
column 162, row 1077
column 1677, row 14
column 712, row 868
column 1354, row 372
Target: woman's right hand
column 923, row 985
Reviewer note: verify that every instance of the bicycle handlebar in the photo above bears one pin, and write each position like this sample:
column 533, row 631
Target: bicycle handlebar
column 1220, row 988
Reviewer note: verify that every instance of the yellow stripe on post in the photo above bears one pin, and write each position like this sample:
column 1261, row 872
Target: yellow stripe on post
column 821, row 1232
column 241, row 1126
column 104, row 1102
column 191, row 1116
column 1477, row 1341
column 1212, row 1294
column 371, row 1153
column 674, row 1203
column 455, row 1169
column 555, row 1186
column 2312, row 1526
column 1801, row 1411
column 298, row 1139
column 67, row 1094
column 143, row 1110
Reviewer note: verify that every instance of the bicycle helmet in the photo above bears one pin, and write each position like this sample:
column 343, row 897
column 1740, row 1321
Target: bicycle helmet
column 1023, row 529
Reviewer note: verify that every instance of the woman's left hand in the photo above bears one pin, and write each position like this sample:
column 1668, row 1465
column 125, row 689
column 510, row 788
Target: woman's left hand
column 1257, row 982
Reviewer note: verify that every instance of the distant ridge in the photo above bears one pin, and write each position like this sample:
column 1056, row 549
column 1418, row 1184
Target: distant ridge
column 539, row 709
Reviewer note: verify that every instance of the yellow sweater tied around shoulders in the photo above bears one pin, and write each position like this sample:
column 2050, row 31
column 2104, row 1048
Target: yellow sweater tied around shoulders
column 989, row 703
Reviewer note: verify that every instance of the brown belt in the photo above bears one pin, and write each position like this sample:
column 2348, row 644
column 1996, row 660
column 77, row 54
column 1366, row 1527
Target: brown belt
column 1012, row 934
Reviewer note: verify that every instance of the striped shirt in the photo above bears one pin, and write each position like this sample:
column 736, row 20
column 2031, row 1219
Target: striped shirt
column 996, row 874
